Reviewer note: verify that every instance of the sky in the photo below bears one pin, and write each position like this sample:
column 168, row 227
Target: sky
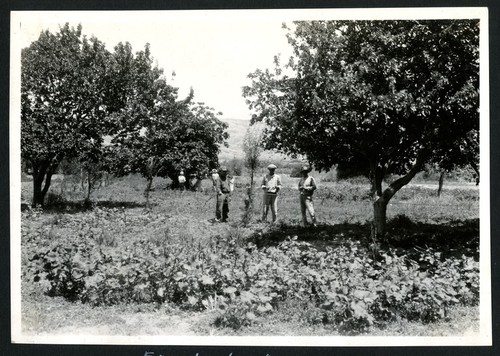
column 212, row 53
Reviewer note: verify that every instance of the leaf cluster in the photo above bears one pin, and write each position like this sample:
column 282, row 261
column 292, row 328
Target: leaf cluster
column 372, row 92
column 243, row 284
column 111, row 111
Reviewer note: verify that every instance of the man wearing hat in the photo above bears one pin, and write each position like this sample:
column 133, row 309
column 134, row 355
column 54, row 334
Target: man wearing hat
column 271, row 185
column 223, row 192
column 307, row 186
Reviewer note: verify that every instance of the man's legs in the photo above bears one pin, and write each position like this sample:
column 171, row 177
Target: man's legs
column 303, row 208
column 310, row 207
column 265, row 206
column 225, row 208
column 219, row 206
column 274, row 205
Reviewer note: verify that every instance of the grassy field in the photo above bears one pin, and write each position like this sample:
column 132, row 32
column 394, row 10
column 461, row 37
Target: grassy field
column 120, row 269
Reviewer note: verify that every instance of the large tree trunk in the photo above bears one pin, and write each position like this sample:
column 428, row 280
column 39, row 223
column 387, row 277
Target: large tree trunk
column 42, row 171
column 380, row 203
column 376, row 178
column 379, row 218
column 38, row 177
column 89, row 185
column 440, row 186
column 148, row 189
column 38, row 197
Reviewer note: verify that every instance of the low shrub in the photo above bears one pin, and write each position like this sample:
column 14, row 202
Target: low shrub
column 54, row 200
column 330, row 176
column 243, row 284
column 295, row 171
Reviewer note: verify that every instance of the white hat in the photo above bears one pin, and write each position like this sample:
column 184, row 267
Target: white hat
column 271, row 166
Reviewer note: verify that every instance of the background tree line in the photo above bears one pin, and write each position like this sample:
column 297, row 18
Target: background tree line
column 111, row 111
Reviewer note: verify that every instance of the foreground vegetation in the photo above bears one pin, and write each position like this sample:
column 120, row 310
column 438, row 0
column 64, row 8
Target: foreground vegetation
column 171, row 261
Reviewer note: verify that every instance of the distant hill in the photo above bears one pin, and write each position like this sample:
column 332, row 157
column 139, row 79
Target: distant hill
column 237, row 129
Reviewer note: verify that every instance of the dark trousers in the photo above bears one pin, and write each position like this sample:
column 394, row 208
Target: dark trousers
column 222, row 207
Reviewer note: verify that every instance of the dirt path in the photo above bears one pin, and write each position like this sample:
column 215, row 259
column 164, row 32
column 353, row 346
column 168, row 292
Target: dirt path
column 63, row 318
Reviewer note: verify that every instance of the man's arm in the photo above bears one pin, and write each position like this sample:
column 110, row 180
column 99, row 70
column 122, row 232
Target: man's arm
column 278, row 183
column 217, row 184
column 313, row 184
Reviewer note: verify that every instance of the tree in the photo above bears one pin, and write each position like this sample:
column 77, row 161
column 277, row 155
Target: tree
column 387, row 95
column 465, row 153
column 65, row 78
column 161, row 135
column 195, row 140
column 180, row 137
column 253, row 147
column 93, row 167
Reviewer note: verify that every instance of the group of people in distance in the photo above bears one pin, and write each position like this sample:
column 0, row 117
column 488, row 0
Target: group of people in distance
column 191, row 184
column 271, row 186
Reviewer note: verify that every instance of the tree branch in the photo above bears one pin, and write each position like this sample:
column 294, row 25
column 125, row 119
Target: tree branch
column 401, row 182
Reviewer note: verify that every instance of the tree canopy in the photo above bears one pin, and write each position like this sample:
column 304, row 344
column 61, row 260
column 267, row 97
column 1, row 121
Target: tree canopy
column 159, row 134
column 64, row 106
column 385, row 95
column 252, row 147
column 74, row 93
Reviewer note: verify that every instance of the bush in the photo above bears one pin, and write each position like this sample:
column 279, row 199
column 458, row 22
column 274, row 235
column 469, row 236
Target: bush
column 243, row 284
column 296, row 171
column 54, row 200
column 235, row 166
column 330, row 176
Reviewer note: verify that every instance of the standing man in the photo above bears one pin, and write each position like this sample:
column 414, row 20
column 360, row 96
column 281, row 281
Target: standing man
column 307, row 186
column 192, row 182
column 182, row 180
column 271, row 185
column 223, row 196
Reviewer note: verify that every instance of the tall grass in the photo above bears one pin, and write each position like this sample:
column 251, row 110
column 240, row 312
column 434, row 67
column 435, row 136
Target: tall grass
column 335, row 202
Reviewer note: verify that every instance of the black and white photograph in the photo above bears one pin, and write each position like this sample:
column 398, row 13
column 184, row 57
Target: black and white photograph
column 250, row 177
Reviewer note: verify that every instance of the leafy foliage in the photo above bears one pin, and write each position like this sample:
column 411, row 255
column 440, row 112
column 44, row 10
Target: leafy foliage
column 75, row 94
column 64, row 107
column 253, row 147
column 243, row 284
column 161, row 135
column 382, row 97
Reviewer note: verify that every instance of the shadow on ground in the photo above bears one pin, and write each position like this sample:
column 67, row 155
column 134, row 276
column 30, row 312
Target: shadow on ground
column 73, row 207
column 454, row 238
